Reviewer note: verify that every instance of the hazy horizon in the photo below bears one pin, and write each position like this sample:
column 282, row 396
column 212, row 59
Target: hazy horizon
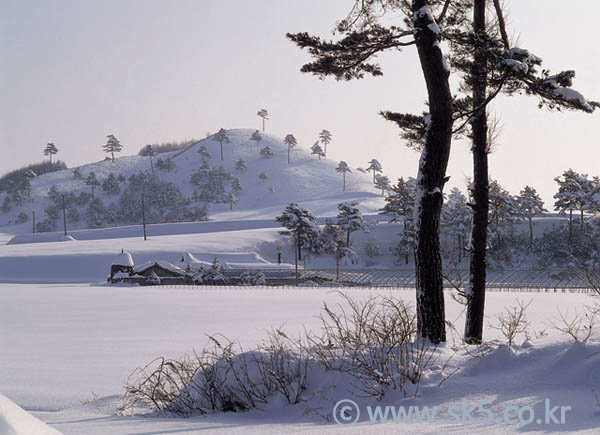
column 155, row 71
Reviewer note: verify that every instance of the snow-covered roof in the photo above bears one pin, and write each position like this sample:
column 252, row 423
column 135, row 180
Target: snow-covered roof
column 161, row 263
column 123, row 259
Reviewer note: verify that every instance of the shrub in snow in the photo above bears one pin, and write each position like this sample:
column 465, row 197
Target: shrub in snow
column 73, row 215
column 254, row 277
column 95, row 213
column 221, row 378
column 240, row 165
column 22, row 217
column 513, row 322
column 371, row 348
column 110, row 185
column 166, row 165
column 6, row 205
column 580, row 324
column 256, row 137
column 372, row 249
column 45, row 226
column 212, row 275
column 267, row 152
column 263, row 176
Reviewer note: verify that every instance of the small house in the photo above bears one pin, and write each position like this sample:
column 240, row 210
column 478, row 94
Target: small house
column 156, row 272
column 122, row 264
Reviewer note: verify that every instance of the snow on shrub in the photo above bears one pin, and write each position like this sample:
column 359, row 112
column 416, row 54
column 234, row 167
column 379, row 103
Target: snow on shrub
column 364, row 352
column 255, row 277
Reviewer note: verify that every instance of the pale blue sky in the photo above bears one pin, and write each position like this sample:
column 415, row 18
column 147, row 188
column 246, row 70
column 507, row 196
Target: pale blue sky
column 147, row 71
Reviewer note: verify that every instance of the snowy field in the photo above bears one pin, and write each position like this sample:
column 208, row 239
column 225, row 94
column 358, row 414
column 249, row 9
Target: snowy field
column 68, row 349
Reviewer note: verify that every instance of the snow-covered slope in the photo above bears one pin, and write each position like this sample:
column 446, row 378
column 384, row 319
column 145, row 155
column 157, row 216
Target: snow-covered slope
column 307, row 180
column 14, row 420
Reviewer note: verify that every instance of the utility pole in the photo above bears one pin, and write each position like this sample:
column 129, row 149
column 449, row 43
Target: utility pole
column 64, row 215
column 143, row 213
column 34, row 222
column 337, row 262
column 296, row 257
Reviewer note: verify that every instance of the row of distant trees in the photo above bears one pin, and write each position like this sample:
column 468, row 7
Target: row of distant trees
column 576, row 193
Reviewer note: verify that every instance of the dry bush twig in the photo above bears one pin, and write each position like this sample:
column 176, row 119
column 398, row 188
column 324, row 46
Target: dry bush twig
column 513, row 322
column 580, row 326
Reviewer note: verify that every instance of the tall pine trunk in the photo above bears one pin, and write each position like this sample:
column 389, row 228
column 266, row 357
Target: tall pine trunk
column 477, row 279
column 431, row 178
column 571, row 229
column 531, row 232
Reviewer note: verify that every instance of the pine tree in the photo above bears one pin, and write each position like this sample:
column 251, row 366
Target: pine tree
column 503, row 211
column 267, row 152
column 316, row 149
column 204, row 154
column 231, row 198
column 375, row 167
column 148, row 151
column 77, row 174
column 456, row 219
column 222, row 137
column 264, row 114
column 236, row 186
column 291, row 142
column 112, row 146
column 349, row 219
column 50, row 150
column 111, row 185
column 331, row 238
column 400, row 203
column 530, row 205
column 573, row 192
column 302, row 225
column 256, row 137
column 92, row 181
column 343, row 168
column 325, row 138
column 382, row 182
column 95, row 213
column 240, row 165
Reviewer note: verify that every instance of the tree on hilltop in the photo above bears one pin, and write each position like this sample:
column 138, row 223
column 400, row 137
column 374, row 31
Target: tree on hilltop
column 112, row 146
column 50, row 150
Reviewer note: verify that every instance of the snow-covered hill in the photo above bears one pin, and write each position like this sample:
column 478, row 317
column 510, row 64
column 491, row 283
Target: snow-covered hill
column 307, row 180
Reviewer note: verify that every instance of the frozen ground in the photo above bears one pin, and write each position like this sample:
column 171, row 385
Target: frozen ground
column 67, row 349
